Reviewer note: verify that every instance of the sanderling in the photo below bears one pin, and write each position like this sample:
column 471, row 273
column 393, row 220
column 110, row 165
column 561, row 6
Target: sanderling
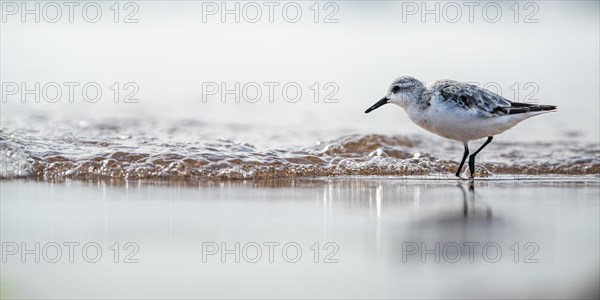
column 458, row 111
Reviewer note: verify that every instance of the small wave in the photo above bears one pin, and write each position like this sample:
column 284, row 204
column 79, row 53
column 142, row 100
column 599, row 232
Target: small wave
column 14, row 161
column 116, row 152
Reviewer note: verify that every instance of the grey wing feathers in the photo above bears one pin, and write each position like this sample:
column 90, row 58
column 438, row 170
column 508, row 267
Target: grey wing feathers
column 482, row 101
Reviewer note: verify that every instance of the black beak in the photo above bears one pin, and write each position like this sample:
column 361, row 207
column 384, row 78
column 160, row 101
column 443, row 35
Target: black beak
column 379, row 103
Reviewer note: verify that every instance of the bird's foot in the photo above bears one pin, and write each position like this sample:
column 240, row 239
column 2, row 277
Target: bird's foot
column 459, row 177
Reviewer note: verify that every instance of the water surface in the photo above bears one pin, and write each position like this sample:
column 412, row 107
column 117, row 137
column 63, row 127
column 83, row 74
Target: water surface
column 372, row 220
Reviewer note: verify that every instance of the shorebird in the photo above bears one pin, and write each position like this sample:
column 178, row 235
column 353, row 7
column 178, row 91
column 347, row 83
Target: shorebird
column 458, row 111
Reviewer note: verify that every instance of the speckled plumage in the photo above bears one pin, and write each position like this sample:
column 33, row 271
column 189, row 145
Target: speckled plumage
column 470, row 97
column 458, row 111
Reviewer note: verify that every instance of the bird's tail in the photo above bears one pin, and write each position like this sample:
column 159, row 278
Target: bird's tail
column 545, row 107
column 520, row 108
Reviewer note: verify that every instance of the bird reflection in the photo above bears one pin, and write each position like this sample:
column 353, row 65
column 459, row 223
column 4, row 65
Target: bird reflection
column 380, row 197
column 471, row 221
column 469, row 203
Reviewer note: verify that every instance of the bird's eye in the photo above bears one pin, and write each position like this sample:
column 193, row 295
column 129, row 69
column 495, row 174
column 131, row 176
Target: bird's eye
column 395, row 89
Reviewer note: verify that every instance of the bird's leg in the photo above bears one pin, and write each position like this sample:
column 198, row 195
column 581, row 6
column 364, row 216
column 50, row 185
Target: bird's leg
column 462, row 162
column 472, row 157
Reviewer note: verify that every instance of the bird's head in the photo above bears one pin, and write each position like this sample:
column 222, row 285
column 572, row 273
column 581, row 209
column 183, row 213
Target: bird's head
column 404, row 91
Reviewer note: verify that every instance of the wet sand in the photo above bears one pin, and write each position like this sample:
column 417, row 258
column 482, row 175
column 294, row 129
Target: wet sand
column 377, row 237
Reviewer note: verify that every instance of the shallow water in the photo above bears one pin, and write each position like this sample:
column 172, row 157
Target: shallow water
column 368, row 225
column 132, row 149
column 173, row 132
